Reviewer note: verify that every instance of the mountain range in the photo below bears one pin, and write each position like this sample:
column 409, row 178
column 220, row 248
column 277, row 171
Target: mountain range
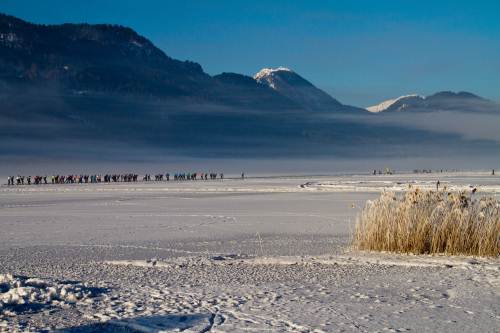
column 89, row 59
column 441, row 101
column 93, row 85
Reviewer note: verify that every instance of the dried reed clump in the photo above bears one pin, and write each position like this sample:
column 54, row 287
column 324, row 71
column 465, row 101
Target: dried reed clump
column 430, row 222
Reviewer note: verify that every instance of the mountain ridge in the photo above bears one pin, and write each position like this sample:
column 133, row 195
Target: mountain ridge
column 295, row 87
column 439, row 101
column 104, row 58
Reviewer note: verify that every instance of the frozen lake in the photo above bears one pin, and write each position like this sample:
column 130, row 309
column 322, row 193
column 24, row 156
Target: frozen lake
column 236, row 255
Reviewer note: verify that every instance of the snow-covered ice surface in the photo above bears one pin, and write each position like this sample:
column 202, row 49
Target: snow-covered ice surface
column 266, row 254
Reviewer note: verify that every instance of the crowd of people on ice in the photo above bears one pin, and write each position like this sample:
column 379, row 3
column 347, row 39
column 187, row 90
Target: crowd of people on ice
column 110, row 178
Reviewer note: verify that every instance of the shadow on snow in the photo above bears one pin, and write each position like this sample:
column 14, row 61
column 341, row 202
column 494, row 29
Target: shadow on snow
column 201, row 322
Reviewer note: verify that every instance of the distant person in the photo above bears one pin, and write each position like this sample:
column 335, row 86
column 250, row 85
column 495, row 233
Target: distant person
column 493, row 172
column 242, row 175
column 437, row 185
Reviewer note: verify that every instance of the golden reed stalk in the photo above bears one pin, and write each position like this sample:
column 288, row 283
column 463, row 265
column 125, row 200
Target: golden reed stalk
column 422, row 222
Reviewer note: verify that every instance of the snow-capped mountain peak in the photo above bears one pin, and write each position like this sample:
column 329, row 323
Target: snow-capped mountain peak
column 387, row 104
column 297, row 89
column 265, row 72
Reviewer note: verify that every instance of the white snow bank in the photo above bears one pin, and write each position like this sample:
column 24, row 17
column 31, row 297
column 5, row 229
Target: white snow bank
column 377, row 186
column 350, row 258
column 15, row 291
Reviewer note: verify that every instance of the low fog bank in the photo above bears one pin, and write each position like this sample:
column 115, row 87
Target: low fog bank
column 469, row 126
column 233, row 167
column 45, row 133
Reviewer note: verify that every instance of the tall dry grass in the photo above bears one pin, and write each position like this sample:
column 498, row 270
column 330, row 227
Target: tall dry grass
column 430, row 222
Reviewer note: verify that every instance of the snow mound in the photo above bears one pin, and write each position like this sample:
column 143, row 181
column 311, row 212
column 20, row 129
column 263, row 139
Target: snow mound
column 387, row 104
column 21, row 291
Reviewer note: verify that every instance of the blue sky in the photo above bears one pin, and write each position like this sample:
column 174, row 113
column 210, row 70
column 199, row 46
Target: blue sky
column 361, row 52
